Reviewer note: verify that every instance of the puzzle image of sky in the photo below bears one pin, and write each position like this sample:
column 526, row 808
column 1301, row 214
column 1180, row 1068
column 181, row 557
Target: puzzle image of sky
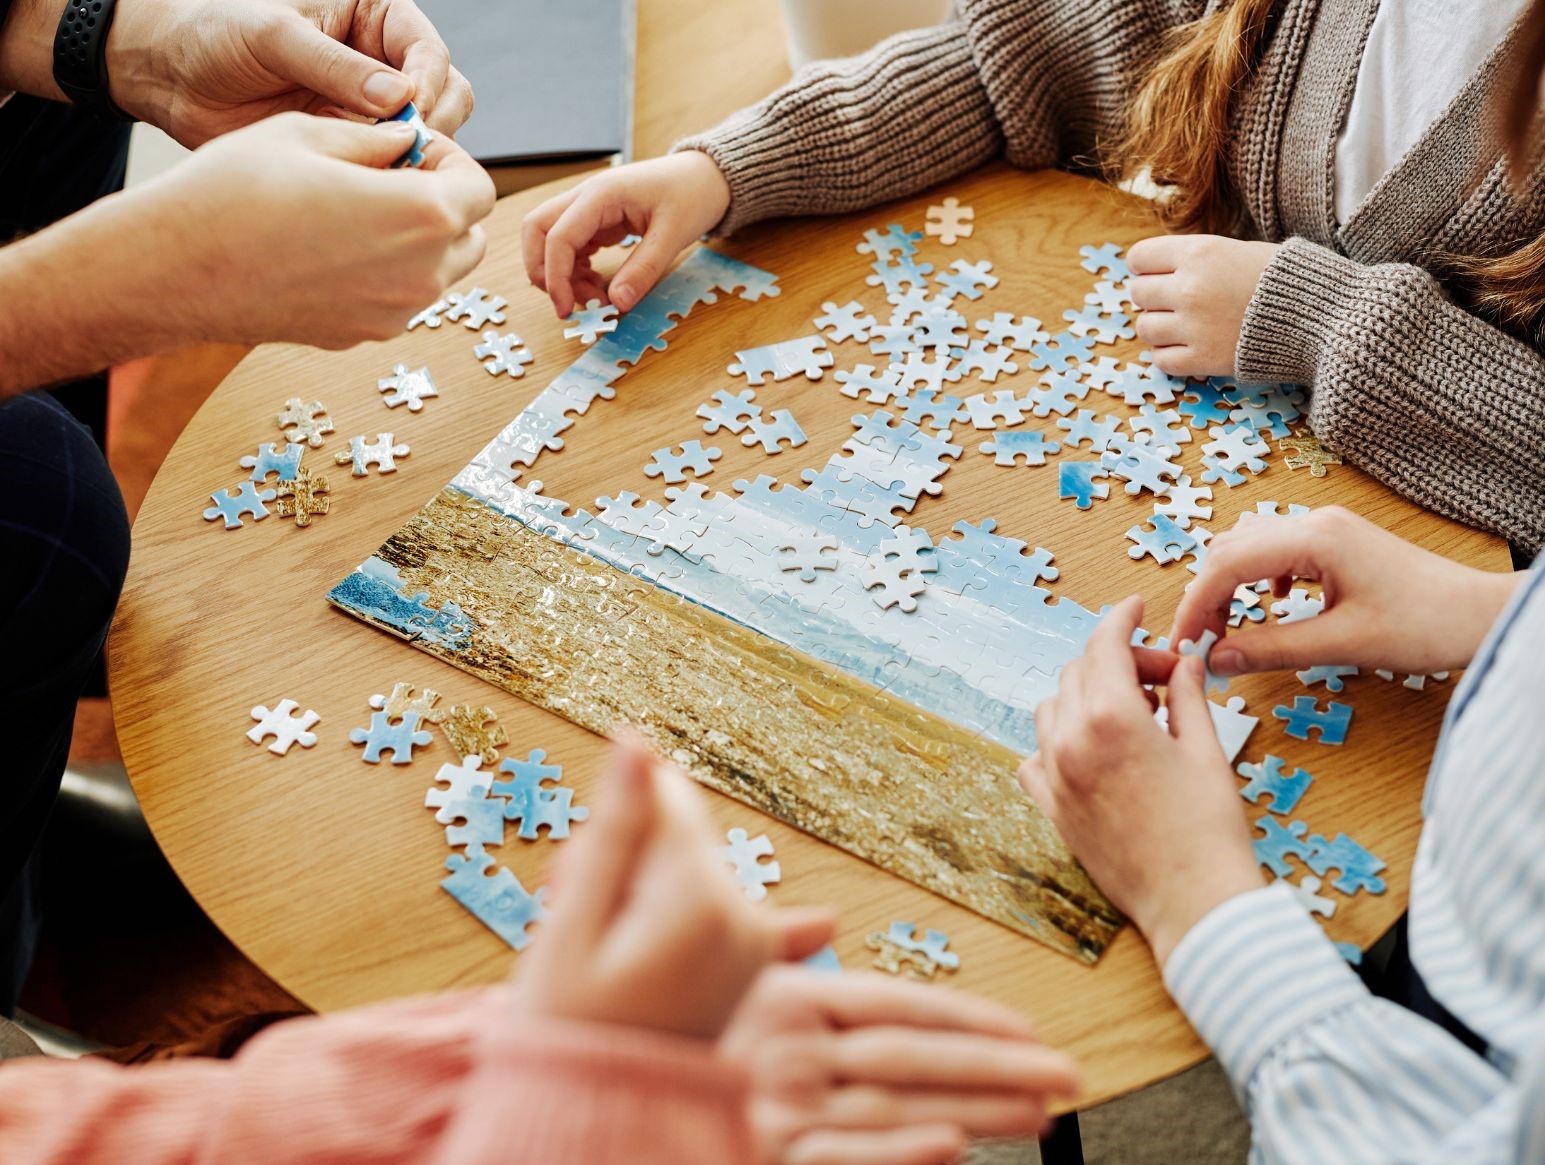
column 872, row 683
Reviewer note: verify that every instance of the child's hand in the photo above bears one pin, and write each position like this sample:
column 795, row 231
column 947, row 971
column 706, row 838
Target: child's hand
column 671, row 202
column 863, row 1069
column 648, row 928
column 1191, row 292
column 1154, row 816
column 1388, row 604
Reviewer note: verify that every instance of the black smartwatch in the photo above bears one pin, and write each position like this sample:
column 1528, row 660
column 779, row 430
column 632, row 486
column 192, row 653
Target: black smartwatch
column 80, row 56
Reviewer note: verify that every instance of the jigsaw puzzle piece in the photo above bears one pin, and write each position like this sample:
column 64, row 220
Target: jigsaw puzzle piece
column 499, row 901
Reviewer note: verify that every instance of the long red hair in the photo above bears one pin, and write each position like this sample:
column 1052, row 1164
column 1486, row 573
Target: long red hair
column 1178, row 125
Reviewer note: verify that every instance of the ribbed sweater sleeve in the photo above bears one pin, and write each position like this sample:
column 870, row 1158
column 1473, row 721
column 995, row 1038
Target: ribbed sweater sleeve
column 1428, row 398
column 1036, row 80
column 442, row 1079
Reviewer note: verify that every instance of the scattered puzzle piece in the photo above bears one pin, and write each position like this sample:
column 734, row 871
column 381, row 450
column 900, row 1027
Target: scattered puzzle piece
column 1105, row 260
column 503, row 354
column 473, row 732
column 464, row 782
column 238, row 502
column 362, row 454
column 898, row 951
column 400, row 738
column 848, row 322
column 306, row 423
column 1164, row 541
column 531, row 802
column 1298, row 606
column 499, row 901
column 474, row 309
column 743, row 854
column 673, row 467
column 1333, row 676
column 772, row 431
column 1306, row 714
column 1273, row 850
column 789, row 358
column 1306, row 452
column 303, row 498
column 730, row 411
column 1307, row 892
column 1359, row 868
column 404, row 387
column 1076, row 480
column 284, row 726
column 270, row 460
column 1268, row 779
column 1030, row 444
column 402, row 700
column 950, row 222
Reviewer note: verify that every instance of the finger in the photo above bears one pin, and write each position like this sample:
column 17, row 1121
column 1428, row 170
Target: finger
column 1108, row 657
column 454, row 107
column 1158, row 255
column 466, row 187
column 799, row 932
column 1190, row 716
column 1153, row 666
column 569, row 236
column 596, row 874
column 645, row 264
column 364, row 143
column 980, row 1114
column 1153, row 292
column 413, row 45
column 1252, row 552
column 1161, row 329
column 913, row 1145
column 462, row 256
column 952, row 1060
column 301, row 53
column 1281, row 646
column 534, row 229
column 860, row 999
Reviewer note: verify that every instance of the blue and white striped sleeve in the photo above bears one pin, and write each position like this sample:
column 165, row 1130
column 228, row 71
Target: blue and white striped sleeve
column 1325, row 1070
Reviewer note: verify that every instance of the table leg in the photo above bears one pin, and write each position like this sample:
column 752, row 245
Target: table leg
column 1063, row 1145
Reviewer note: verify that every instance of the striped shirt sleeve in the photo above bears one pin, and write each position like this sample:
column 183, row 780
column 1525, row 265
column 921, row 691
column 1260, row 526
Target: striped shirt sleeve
column 1325, row 1070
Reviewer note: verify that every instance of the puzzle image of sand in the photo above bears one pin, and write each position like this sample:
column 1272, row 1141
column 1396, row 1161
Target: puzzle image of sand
column 793, row 642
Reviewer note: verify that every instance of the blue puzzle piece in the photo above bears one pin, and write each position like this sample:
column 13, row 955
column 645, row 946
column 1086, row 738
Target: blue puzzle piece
column 400, row 738
column 533, row 804
column 893, row 240
column 421, row 136
column 1272, row 851
column 499, row 902
column 1351, row 952
column 270, row 460
column 1106, row 259
column 1205, row 406
column 1284, row 789
column 238, row 502
column 1076, row 479
column 1165, row 541
column 824, row 959
column 1306, row 713
column 1359, row 868
column 482, row 823
column 1030, row 444
column 1239, row 610
column 1333, row 676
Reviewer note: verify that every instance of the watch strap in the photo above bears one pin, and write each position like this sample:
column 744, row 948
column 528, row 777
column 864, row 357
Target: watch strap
column 80, row 55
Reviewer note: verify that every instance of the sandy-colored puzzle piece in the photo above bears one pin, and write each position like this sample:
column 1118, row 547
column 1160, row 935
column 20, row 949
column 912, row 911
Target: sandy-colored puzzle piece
column 474, row 732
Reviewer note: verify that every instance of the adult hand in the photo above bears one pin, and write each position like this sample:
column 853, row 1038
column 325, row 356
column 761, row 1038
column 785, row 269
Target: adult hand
column 1388, row 604
column 670, row 202
column 861, row 1069
column 201, row 68
column 1191, row 292
column 648, row 927
column 1154, row 816
column 292, row 230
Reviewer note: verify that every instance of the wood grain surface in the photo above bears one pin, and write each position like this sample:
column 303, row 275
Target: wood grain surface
column 325, row 870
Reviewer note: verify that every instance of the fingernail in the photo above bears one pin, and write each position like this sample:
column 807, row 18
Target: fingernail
column 387, row 90
column 1226, row 661
column 622, row 297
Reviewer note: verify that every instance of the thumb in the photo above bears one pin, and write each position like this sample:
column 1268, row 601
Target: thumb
column 1190, row 715
column 299, row 52
column 375, row 145
column 799, row 931
column 649, row 260
column 1279, row 647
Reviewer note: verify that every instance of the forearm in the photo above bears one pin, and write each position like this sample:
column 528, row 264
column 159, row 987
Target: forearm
column 97, row 289
column 27, row 48
column 1308, row 1049
column 1406, row 384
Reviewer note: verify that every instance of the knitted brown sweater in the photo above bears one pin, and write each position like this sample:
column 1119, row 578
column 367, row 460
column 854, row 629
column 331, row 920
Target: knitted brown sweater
column 1432, row 400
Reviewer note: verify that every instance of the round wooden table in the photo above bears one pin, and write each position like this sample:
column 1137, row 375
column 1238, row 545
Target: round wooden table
column 325, row 871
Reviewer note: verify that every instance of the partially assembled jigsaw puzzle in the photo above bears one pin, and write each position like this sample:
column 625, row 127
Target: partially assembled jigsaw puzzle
column 873, row 682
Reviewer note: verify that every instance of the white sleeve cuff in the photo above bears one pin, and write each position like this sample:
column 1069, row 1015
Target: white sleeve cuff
column 1254, row 970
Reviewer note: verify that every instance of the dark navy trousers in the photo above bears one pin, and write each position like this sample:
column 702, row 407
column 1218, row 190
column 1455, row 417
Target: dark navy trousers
column 64, row 536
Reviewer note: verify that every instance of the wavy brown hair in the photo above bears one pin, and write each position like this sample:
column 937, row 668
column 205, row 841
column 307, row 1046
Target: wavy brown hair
column 1179, row 122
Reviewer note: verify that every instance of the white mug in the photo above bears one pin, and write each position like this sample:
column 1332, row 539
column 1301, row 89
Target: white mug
column 818, row 29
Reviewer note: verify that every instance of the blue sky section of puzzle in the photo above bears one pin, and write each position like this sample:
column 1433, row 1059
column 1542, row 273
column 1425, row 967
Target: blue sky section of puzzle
column 984, row 646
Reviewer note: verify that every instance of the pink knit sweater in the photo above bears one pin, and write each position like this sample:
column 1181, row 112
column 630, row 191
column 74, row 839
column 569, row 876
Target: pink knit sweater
column 446, row 1079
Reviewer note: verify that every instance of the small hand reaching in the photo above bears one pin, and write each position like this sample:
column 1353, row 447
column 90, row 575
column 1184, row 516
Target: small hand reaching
column 1191, row 292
